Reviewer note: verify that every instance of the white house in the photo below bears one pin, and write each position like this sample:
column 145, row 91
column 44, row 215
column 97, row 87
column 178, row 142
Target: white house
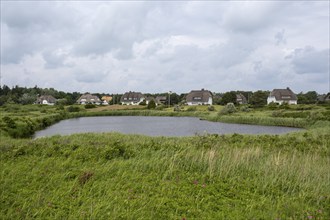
column 199, row 97
column 89, row 99
column 281, row 96
column 132, row 98
column 46, row 100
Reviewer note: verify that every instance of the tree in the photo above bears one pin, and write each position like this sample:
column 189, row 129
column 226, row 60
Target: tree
column 151, row 104
column 259, row 99
column 228, row 97
column 27, row 98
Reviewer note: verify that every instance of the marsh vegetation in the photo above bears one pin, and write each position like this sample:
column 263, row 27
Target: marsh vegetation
column 116, row 176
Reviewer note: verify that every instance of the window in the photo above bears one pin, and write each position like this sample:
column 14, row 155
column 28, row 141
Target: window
column 197, row 98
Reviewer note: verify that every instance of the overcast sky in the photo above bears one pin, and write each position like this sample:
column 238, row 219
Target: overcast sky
column 113, row 47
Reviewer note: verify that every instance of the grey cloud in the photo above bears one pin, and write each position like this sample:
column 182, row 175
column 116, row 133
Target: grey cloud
column 55, row 59
column 309, row 60
column 164, row 43
column 85, row 76
column 280, row 38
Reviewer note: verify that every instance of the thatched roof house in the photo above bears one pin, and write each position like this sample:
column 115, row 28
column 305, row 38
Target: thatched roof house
column 281, row 96
column 240, row 99
column 88, row 99
column 132, row 98
column 199, row 97
column 46, row 100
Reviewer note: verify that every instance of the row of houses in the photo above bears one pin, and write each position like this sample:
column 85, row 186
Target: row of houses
column 195, row 97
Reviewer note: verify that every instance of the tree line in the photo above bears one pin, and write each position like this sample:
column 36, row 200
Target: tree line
column 24, row 95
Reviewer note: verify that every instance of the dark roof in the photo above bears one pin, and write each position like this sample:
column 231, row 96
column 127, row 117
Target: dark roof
column 48, row 98
column 131, row 96
column 241, row 98
column 161, row 99
column 89, row 98
column 283, row 94
column 198, row 96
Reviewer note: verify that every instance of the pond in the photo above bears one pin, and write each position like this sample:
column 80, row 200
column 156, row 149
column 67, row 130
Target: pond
column 155, row 126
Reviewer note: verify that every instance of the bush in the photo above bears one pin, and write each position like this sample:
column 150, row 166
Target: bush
column 228, row 109
column 151, row 104
column 89, row 105
column 160, row 107
column 73, row 109
column 272, row 106
column 191, row 109
column 211, row 108
column 177, row 108
column 245, row 109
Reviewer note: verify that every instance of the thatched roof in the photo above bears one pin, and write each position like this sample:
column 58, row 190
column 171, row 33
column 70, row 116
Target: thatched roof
column 48, row 98
column 198, row 96
column 88, row 98
column 283, row 94
column 131, row 96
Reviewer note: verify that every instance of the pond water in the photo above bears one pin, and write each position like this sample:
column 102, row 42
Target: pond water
column 155, row 126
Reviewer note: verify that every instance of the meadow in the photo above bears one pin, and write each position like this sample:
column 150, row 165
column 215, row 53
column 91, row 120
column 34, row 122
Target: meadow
column 116, row 176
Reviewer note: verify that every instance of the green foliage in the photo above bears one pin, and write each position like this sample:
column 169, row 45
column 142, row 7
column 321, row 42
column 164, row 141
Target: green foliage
column 27, row 99
column 89, row 106
column 307, row 98
column 245, row 108
column 151, row 104
column 177, row 108
column 191, row 109
column 72, row 108
column 160, row 107
column 272, row 106
column 115, row 176
column 259, row 99
column 228, row 109
column 118, row 176
column 211, row 108
column 228, row 97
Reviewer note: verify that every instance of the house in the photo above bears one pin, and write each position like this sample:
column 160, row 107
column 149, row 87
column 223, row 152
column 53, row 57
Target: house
column 199, row 97
column 325, row 98
column 46, row 100
column 106, row 100
column 161, row 100
column 89, row 99
column 240, row 99
column 281, row 96
column 132, row 98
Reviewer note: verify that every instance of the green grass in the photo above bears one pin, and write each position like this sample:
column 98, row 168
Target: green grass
column 116, row 176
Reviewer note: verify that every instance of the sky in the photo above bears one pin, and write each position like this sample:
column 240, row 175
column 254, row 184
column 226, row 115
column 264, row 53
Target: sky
column 161, row 46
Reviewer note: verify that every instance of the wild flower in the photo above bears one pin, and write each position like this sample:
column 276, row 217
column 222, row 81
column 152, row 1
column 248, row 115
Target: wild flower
column 195, row 182
column 310, row 217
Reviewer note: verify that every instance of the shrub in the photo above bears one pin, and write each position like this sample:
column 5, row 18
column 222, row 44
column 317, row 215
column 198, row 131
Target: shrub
column 73, row 109
column 245, row 108
column 191, row 109
column 177, row 108
column 151, row 104
column 211, row 108
column 160, row 107
column 272, row 106
column 89, row 105
column 228, row 109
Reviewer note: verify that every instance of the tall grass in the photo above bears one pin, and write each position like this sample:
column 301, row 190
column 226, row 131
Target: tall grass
column 114, row 176
column 288, row 122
